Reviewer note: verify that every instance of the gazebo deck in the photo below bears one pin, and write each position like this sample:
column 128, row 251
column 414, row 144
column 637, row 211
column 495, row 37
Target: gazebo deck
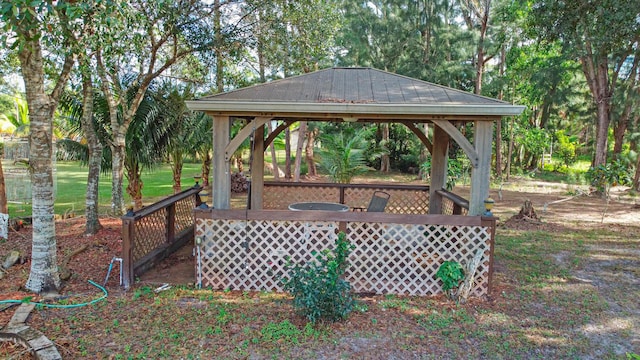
column 395, row 252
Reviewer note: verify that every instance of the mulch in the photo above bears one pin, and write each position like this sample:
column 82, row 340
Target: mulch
column 91, row 263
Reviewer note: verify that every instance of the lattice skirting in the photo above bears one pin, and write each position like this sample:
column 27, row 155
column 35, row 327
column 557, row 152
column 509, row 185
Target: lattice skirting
column 387, row 259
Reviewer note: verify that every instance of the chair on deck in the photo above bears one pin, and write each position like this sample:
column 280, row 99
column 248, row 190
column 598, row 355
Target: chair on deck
column 378, row 202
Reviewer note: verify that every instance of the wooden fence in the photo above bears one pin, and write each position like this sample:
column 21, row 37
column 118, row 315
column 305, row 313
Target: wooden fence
column 154, row 232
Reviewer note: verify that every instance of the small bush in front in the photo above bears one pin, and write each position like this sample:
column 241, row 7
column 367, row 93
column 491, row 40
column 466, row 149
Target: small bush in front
column 451, row 273
column 317, row 287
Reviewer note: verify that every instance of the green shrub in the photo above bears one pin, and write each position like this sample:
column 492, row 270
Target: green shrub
column 451, row 273
column 566, row 148
column 603, row 177
column 317, row 287
column 454, row 171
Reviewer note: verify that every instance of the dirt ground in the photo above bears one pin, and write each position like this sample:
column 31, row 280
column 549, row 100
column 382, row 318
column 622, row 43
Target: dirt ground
column 610, row 267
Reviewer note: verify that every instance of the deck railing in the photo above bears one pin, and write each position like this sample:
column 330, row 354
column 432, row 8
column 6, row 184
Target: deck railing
column 405, row 199
column 154, row 232
column 453, row 204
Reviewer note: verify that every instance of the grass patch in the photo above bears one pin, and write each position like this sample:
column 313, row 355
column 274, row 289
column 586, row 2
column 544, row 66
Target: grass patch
column 71, row 188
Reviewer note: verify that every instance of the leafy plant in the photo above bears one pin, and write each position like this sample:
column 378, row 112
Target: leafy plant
column 318, row 289
column 603, row 177
column 343, row 155
column 454, row 171
column 283, row 331
column 451, row 273
column 566, row 148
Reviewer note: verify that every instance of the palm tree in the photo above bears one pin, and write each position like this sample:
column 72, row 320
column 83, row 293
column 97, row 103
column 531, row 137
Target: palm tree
column 16, row 123
column 193, row 135
column 83, row 124
column 149, row 136
column 343, row 155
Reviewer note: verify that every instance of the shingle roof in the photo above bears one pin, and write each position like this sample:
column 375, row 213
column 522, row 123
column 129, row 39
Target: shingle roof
column 354, row 90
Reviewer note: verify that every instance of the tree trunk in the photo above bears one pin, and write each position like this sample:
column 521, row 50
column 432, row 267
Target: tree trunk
column 597, row 75
column 4, row 209
column 274, row 159
column 92, row 220
column 385, row 162
column 479, row 10
column 634, row 144
column 422, row 175
column 623, row 122
column 134, row 189
column 44, row 275
column 287, row 153
column 301, row 136
column 177, row 171
column 619, row 130
column 117, row 175
column 206, row 169
column 311, row 165
column 503, row 60
column 219, row 46
column 602, row 130
column 636, row 177
column 116, row 142
column 510, row 151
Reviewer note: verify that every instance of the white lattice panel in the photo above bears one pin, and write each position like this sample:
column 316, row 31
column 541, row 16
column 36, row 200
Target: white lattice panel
column 403, row 259
column 252, row 255
column 223, row 253
column 387, row 259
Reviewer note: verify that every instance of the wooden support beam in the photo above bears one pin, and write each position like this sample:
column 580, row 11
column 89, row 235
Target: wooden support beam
column 460, row 139
column 439, row 155
column 422, row 136
column 257, row 168
column 277, row 131
column 221, row 167
column 480, row 175
column 242, row 135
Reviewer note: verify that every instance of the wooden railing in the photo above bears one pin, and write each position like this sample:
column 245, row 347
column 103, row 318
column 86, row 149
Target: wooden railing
column 453, row 204
column 154, row 232
column 405, row 199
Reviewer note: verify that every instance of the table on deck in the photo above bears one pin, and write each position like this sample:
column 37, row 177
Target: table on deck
column 318, row 206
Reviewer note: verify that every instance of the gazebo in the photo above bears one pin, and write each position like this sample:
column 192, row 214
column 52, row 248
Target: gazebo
column 396, row 251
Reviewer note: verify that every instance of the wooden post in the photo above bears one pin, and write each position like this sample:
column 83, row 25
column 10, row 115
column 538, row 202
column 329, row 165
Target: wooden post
column 171, row 223
column 221, row 167
column 257, row 168
column 483, row 134
column 490, row 222
column 439, row 157
column 128, row 236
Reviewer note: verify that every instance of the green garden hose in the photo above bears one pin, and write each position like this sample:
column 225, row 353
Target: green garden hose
column 57, row 306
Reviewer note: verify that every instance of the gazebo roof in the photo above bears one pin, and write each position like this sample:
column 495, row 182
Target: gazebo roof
column 354, row 92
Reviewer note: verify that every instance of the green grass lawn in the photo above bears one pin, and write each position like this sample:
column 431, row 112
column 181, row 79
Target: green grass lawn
column 71, row 188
